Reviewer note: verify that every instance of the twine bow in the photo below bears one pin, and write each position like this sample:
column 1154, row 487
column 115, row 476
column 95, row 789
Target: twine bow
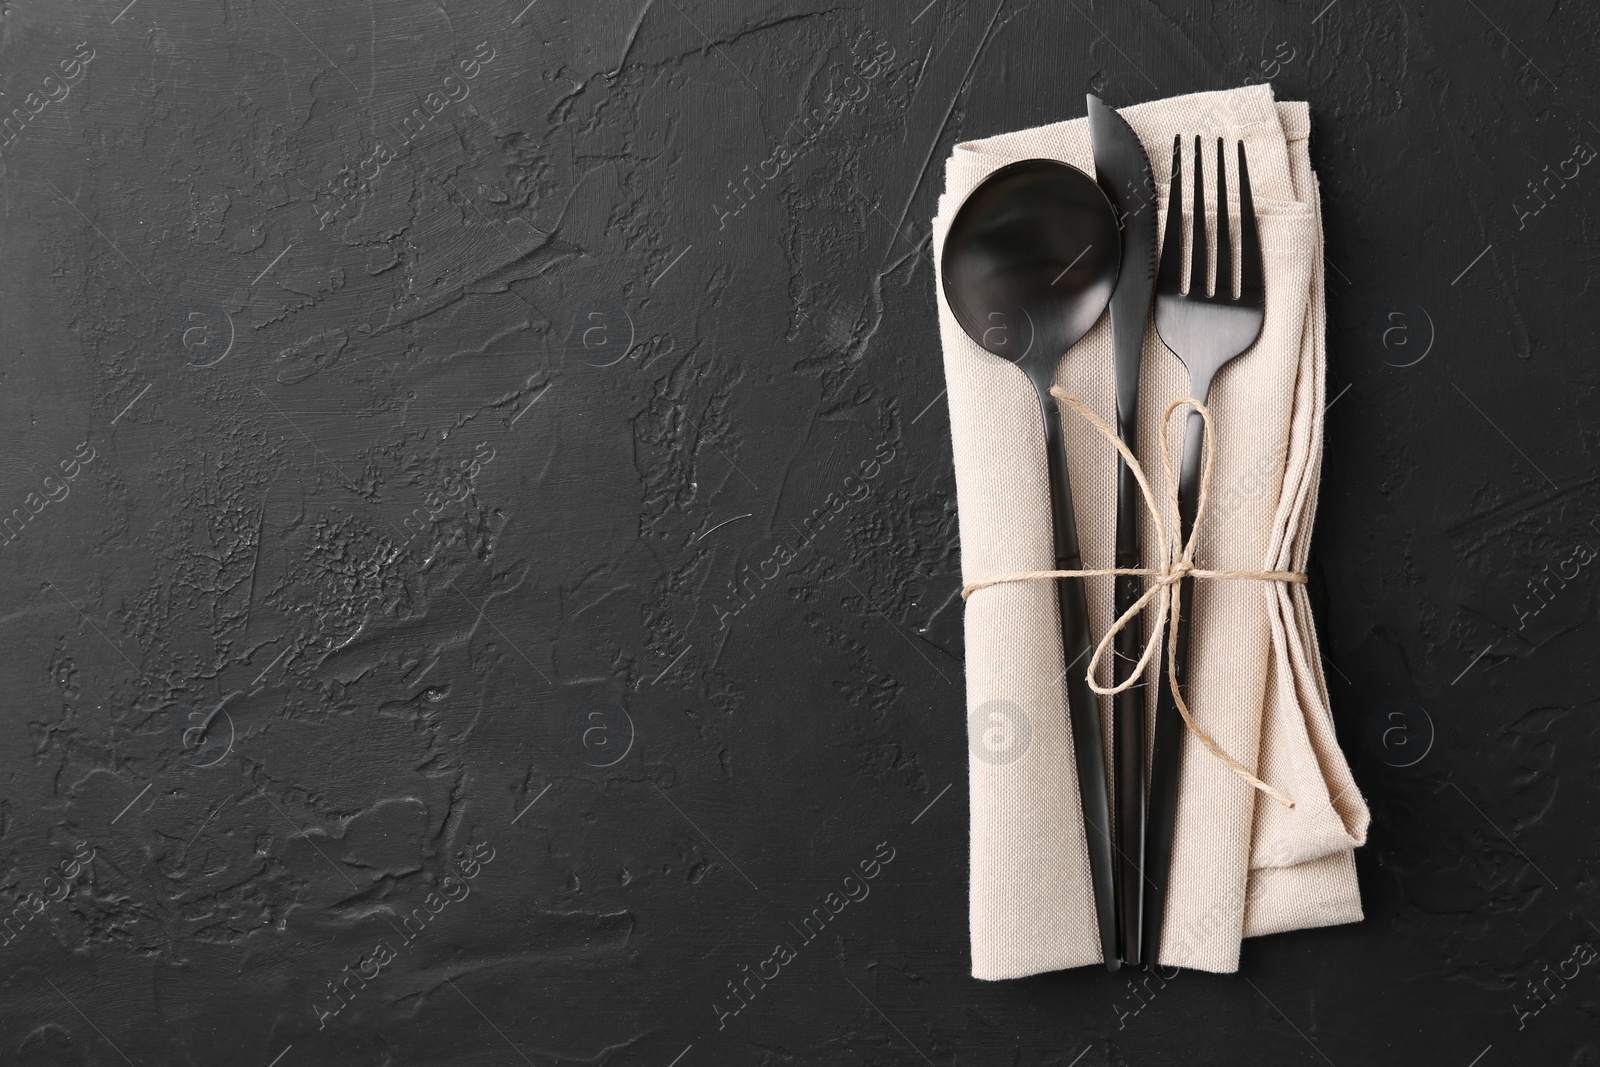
column 1166, row 590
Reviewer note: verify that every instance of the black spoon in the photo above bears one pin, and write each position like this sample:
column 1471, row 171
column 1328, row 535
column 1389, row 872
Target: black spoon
column 1029, row 264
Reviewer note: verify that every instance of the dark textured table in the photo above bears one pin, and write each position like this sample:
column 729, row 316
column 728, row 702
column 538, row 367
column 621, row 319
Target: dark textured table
column 480, row 557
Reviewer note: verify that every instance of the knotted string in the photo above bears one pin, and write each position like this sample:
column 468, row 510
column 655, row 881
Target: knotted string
column 1167, row 589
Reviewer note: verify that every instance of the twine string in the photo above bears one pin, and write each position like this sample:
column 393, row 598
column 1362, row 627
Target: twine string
column 1166, row 588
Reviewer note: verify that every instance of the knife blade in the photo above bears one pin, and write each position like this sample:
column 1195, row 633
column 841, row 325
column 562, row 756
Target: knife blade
column 1123, row 170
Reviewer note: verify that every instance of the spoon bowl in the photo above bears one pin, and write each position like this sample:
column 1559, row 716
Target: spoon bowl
column 1029, row 264
column 1030, row 261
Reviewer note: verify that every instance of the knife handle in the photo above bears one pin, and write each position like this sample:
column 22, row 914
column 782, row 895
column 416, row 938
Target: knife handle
column 1128, row 726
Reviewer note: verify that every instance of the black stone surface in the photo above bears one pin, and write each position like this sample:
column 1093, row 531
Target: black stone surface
column 407, row 429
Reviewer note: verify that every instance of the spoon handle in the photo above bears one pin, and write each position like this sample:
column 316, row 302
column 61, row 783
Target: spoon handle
column 1083, row 707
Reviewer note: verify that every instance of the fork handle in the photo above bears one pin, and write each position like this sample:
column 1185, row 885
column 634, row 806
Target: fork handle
column 1083, row 707
column 1167, row 740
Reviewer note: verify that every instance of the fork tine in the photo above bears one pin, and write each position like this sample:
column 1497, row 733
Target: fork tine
column 1169, row 276
column 1199, row 251
column 1251, row 291
column 1224, row 230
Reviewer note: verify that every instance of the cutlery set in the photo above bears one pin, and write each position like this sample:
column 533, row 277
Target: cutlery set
column 1034, row 256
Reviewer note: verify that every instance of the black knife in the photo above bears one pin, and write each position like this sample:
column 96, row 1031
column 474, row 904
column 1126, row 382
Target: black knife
column 1123, row 171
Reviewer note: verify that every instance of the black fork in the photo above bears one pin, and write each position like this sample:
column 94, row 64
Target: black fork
column 1205, row 329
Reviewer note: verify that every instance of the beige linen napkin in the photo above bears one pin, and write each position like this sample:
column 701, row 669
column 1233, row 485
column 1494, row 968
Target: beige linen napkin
column 1242, row 864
